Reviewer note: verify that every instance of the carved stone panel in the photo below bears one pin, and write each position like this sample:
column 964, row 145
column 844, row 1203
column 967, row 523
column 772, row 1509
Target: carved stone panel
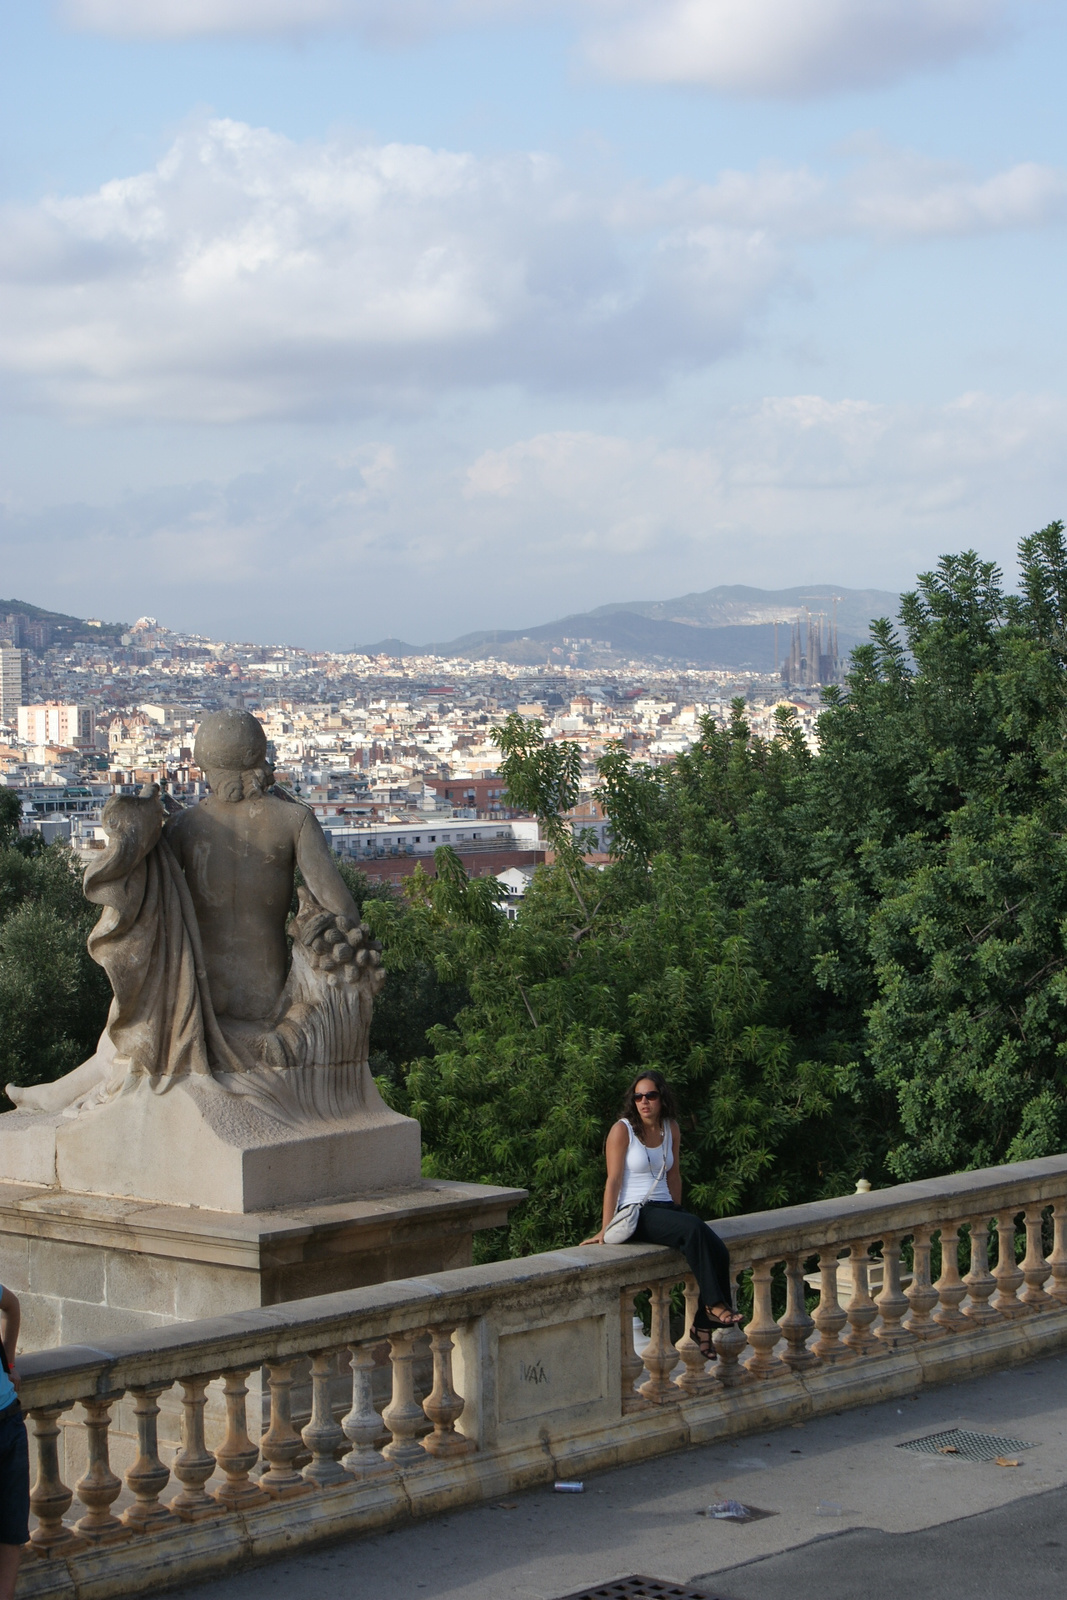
column 551, row 1369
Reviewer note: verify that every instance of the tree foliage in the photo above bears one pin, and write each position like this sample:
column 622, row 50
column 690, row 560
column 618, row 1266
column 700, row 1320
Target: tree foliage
column 53, row 997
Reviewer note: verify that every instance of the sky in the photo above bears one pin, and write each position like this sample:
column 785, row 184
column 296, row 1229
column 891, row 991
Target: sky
column 323, row 321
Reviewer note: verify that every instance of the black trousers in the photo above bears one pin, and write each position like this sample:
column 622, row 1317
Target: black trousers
column 14, row 1477
column 662, row 1222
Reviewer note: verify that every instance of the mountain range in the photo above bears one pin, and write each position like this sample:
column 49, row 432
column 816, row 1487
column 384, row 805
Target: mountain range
column 732, row 627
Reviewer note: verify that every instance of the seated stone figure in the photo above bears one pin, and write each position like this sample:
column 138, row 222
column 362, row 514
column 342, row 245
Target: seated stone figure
column 193, row 937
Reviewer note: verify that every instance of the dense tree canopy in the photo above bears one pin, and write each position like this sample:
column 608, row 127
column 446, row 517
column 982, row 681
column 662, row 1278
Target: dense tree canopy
column 53, row 997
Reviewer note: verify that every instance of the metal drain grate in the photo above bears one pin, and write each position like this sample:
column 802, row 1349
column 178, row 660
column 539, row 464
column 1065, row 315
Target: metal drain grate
column 638, row 1588
column 966, row 1445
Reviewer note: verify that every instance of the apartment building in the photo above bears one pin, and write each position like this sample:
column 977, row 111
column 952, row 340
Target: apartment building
column 55, row 724
column 10, row 683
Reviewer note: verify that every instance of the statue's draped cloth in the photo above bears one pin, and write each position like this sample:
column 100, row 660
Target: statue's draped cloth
column 161, row 1024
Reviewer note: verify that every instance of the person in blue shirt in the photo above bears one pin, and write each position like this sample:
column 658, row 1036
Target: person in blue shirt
column 14, row 1451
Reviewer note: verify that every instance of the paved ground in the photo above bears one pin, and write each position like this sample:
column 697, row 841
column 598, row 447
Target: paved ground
column 853, row 1517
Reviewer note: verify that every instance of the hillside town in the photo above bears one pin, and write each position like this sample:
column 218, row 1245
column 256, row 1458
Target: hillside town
column 395, row 755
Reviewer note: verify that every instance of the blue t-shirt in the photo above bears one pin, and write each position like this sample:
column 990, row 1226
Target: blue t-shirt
column 7, row 1388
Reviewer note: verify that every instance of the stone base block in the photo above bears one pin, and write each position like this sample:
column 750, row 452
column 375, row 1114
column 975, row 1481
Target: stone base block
column 197, row 1144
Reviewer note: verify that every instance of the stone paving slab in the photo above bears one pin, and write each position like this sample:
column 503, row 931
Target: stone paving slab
column 973, row 1529
column 1017, row 1549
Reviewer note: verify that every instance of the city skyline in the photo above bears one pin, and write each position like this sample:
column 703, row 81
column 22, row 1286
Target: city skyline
column 726, row 628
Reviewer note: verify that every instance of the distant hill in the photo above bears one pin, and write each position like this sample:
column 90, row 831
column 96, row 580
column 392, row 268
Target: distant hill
column 65, row 629
column 732, row 627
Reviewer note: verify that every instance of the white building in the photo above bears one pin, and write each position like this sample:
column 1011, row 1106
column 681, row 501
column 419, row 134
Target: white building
column 371, row 839
column 516, row 882
column 10, row 683
column 57, row 725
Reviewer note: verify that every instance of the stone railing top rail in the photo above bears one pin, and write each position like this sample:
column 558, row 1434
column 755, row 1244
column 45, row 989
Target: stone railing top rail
column 290, row 1329
column 960, row 1195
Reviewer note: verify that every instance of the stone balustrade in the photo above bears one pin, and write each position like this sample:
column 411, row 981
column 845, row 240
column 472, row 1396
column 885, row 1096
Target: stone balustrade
column 530, row 1372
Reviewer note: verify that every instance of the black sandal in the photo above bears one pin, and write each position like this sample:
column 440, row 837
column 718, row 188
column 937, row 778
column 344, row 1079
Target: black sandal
column 704, row 1325
column 733, row 1319
column 701, row 1337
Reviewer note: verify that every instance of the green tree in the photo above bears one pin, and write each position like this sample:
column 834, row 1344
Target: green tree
column 964, row 864
column 53, row 996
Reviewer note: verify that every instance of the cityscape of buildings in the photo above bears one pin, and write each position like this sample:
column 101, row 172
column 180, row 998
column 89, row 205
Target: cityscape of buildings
column 395, row 755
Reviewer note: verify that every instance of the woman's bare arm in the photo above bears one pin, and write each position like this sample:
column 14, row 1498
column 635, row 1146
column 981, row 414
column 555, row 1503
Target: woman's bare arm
column 615, row 1155
column 10, row 1320
column 674, row 1176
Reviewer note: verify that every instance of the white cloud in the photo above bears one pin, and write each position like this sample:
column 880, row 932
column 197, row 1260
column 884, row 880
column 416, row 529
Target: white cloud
column 761, row 47
column 901, row 193
column 390, row 20
column 847, row 486
column 424, row 541
column 889, row 194
column 787, row 47
column 249, row 277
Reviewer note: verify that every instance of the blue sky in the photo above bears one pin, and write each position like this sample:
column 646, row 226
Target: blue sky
column 330, row 319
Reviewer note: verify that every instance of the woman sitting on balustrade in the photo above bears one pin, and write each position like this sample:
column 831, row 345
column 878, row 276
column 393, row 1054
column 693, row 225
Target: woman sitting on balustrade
column 642, row 1159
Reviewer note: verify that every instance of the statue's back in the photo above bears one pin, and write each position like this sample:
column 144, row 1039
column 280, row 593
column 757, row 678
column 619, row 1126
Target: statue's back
column 239, row 860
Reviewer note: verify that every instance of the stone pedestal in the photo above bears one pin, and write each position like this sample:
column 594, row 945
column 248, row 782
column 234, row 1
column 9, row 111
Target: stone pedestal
column 87, row 1267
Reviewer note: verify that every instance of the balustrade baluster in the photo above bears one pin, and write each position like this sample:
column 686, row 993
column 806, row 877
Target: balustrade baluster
column 920, row 1293
column 1007, row 1272
column 1057, row 1261
column 98, row 1486
column 403, row 1416
column 237, row 1455
column 891, row 1302
column 323, row 1436
column 696, row 1379
column 950, row 1287
column 861, row 1310
column 281, row 1443
column 978, row 1278
column 194, row 1462
column 828, row 1316
column 50, row 1498
column 148, row 1477
column 363, row 1425
column 1035, row 1268
column 730, row 1346
column 661, row 1357
column 763, row 1332
column 443, row 1405
column 797, row 1326
column 630, row 1363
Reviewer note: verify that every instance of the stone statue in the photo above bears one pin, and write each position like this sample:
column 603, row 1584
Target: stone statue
column 193, row 936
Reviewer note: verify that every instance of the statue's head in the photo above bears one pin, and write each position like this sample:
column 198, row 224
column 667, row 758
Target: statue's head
column 231, row 751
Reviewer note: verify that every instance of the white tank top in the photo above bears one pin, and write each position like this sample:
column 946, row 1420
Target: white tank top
column 644, row 1176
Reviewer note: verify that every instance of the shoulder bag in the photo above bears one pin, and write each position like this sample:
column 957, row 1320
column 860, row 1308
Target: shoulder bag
column 623, row 1223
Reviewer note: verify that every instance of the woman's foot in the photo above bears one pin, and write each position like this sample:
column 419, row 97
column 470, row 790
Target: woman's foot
column 701, row 1337
column 722, row 1317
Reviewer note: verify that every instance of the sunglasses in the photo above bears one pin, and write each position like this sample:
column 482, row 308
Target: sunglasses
column 646, row 1094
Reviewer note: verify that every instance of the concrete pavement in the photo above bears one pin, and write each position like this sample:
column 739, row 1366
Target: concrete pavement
column 852, row 1516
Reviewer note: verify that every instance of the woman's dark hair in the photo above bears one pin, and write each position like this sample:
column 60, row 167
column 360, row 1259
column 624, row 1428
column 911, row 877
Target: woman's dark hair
column 667, row 1107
